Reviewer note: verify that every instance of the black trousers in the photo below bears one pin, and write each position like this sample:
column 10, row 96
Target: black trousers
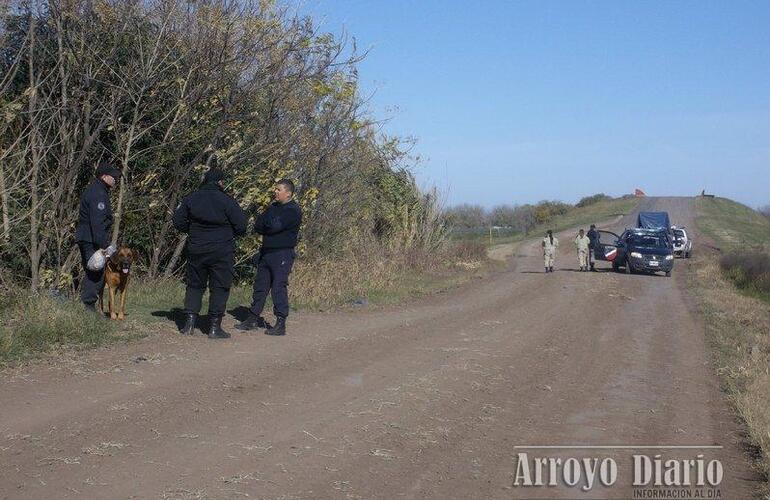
column 213, row 270
column 93, row 281
column 273, row 269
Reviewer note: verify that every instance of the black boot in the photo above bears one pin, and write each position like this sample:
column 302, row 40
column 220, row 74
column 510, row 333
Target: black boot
column 278, row 329
column 215, row 331
column 252, row 323
column 189, row 324
column 551, row 268
column 546, row 269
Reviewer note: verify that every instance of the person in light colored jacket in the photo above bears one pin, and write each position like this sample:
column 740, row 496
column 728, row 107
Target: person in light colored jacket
column 550, row 245
column 582, row 243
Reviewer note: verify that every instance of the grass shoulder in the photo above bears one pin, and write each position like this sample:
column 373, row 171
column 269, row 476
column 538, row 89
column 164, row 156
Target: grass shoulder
column 730, row 224
column 737, row 318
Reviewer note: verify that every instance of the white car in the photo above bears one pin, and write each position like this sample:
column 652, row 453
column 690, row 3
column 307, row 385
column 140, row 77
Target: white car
column 682, row 243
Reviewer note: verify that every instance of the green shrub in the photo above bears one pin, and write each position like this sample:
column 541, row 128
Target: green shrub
column 748, row 270
column 590, row 200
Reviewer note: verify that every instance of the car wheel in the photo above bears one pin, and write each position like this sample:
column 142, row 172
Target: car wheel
column 668, row 274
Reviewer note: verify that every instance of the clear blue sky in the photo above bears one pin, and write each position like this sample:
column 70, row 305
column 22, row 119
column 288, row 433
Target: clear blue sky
column 515, row 102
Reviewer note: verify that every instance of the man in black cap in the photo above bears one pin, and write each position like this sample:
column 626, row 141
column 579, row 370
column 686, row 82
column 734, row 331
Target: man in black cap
column 279, row 227
column 212, row 220
column 93, row 229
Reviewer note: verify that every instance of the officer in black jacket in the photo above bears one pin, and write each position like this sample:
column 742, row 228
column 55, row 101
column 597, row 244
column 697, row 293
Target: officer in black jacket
column 93, row 229
column 279, row 227
column 212, row 220
column 593, row 237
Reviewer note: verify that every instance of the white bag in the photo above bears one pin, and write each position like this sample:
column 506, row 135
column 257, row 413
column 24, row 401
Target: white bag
column 99, row 259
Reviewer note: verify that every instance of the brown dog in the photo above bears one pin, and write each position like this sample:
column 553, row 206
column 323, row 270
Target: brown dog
column 116, row 274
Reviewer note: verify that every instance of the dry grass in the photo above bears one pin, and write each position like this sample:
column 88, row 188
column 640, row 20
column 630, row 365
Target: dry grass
column 31, row 325
column 381, row 275
column 737, row 322
column 737, row 326
column 324, row 282
column 749, row 270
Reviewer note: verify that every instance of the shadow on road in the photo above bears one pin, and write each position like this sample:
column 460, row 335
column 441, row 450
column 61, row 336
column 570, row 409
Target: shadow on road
column 240, row 313
column 177, row 316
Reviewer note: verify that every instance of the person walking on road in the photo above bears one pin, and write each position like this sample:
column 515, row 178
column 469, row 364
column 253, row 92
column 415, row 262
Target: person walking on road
column 93, row 229
column 212, row 220
column 279, row 227
column 582, row 243
column 550, row 245
column 593, row 246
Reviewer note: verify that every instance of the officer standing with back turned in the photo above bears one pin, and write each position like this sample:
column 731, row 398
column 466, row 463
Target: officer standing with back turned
column 279, row 227
column 212, row 220
column 93, row 229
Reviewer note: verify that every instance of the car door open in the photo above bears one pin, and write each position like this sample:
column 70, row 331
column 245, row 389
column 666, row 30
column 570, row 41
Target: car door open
column 607, row 246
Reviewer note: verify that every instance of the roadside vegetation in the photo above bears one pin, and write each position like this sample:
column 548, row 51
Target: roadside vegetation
column 163, row 88
column 501, row 235
column 749, row 271
column 731, row 283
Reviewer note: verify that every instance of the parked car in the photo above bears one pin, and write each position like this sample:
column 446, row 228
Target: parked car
column 637, row 250
column 682, row 243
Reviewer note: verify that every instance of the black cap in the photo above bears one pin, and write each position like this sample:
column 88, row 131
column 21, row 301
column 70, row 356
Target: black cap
column 213, row 175
column 107, row 168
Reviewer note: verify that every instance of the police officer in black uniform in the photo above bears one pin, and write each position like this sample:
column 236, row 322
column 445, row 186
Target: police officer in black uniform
column 212, row 220
column 593, row 237
column 93, row 229
column 279, row 227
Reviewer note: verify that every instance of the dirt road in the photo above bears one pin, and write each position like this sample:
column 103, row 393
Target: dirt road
column 426, row 400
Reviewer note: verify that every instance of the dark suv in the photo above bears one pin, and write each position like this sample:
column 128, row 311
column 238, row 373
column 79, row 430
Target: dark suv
column 642, row 250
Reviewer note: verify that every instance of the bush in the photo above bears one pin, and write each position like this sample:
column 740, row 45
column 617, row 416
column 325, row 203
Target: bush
column 590, row 200
column 749, row 270
column 545, row 211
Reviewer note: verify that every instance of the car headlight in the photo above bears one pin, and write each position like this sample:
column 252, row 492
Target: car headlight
column 636, row 255
column 669, row 257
